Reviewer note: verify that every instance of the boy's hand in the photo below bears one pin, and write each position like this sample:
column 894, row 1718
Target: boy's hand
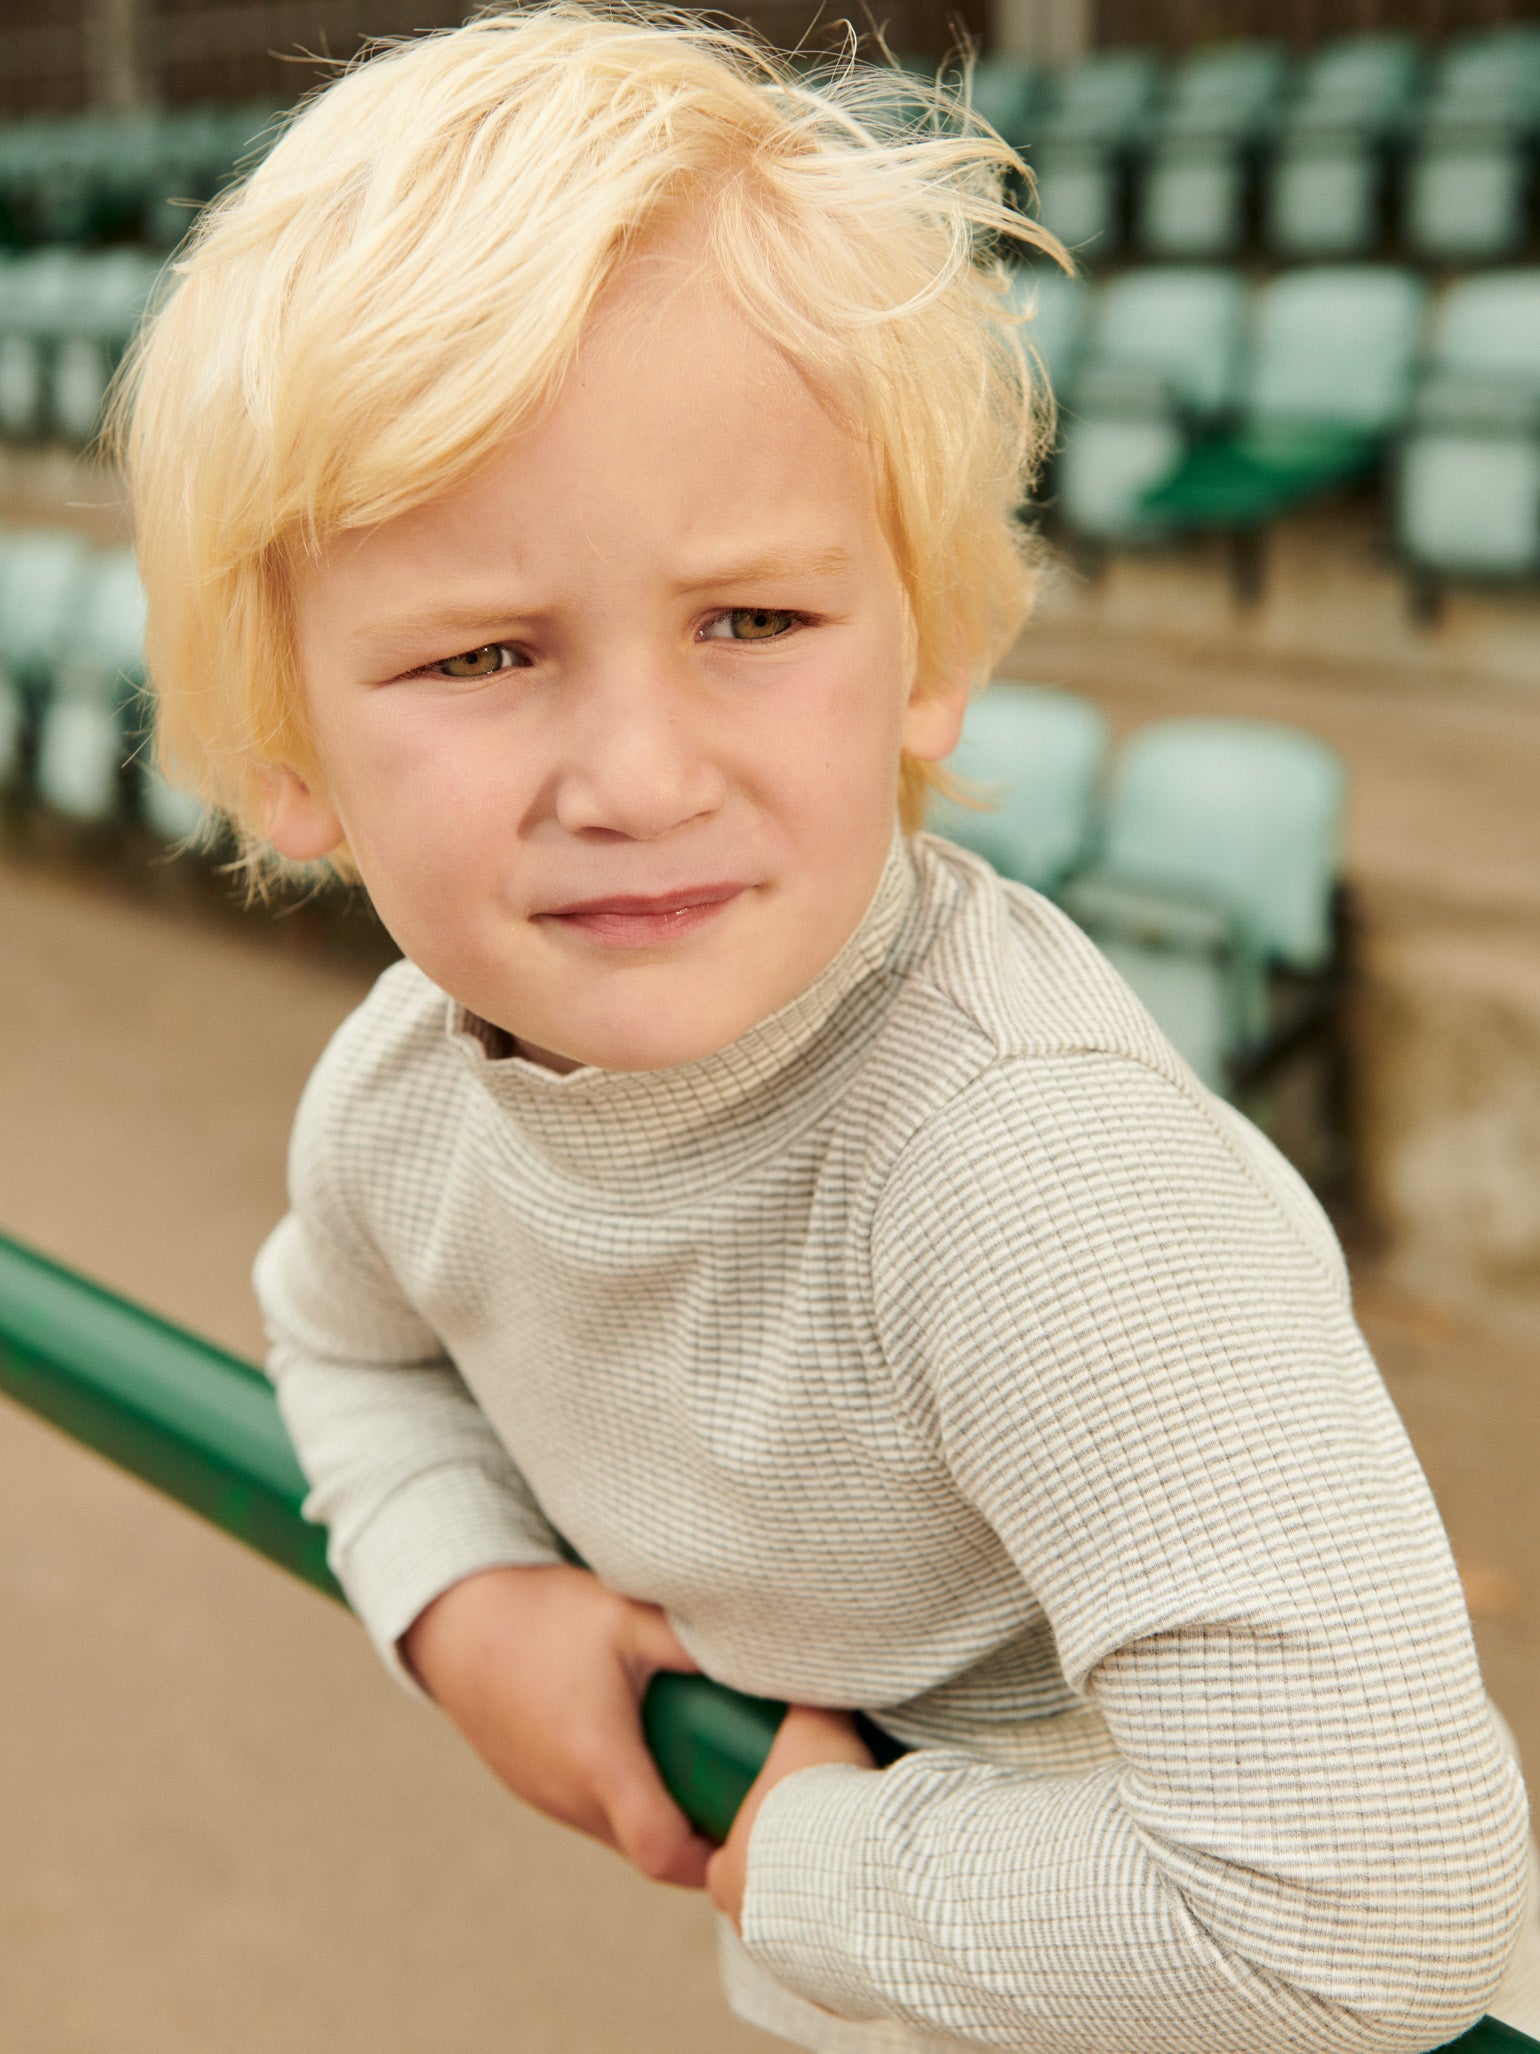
column 543, row 1670
column 807, row 1736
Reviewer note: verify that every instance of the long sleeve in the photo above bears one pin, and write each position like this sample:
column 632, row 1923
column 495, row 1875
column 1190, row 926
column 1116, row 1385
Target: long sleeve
column 1118, row 1322
column 406, row 1472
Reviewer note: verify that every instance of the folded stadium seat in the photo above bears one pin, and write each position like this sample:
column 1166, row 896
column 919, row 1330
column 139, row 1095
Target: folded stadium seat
column 1468, row 476
column 1196, row 179
column 1094, row 116
column 1215, row 891
column 82, row 735
column 113, row 289
column 1035, row 756
column 1327, row 185
column 1468, row 184
column 40, row 581
column 1059, row 307
column 1161, row 366
column 1007, row 93
column 188, row 159
column 1328, row 380
column 41, row 291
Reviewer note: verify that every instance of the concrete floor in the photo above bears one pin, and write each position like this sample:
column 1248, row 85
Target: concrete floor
column 223, row 1828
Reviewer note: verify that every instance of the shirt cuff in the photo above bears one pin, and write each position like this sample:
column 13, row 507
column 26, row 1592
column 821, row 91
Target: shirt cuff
column 802, row 1901
column 431, row 1532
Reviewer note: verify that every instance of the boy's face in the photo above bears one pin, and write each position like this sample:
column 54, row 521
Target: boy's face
column 612, row 730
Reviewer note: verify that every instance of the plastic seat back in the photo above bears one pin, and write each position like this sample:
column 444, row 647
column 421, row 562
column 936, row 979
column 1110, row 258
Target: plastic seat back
column 1059, row 307
column 1192, row 199
column 1230, row 90
column 1104, row 99
column 1242, row 814
column 41, row 573
column 1491, row 325
column 1036, row 754
column 1007, row 94
column 1335, row 345
column 1323, row 196
column 1076, row 190
column 1182, row 325
column 1360, row 84
column 1485, row 80
column 105, row 654
column 1468, row 504
column 1465, row 198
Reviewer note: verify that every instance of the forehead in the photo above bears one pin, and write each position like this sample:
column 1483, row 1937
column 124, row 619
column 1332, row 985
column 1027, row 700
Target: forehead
column 677, row 434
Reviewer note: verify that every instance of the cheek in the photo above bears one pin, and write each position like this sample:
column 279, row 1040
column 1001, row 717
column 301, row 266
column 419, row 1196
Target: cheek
column 419, row 799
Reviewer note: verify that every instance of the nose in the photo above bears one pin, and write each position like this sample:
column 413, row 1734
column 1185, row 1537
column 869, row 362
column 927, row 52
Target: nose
column 638, row 760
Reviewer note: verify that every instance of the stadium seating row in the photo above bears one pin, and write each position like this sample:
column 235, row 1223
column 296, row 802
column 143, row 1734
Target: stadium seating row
column 83, row 178
column 1373, row 137
column 71, row 678
column 1371, row 141
column 1202, row 858
column 1191, row 400
column 65, row 318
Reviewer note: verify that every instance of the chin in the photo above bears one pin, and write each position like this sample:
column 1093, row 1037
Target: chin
column 653, row 1044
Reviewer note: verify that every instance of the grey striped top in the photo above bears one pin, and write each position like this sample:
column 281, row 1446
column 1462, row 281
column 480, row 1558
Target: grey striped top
column 940, row 1348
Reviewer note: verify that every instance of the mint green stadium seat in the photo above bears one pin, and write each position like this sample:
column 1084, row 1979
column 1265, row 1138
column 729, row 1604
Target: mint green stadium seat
column 1327, row 186
column 1035, row 755
column 1467, row 197
column 113, row 289
column 1059, row 308
column 38, row 294
column 83, row 731
column 1094, row 115
column 42, row 572
column 1007, row 94
column 40, row 577
column 1162, row 362
column 1329, row 378
column 1216, row 877
column 171, row 814
column 1195, row 184
column 1468, row 184
column 1192, row 199
column 1468, row 479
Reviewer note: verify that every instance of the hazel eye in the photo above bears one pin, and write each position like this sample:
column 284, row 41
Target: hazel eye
column 751, row 624
column 484, row 662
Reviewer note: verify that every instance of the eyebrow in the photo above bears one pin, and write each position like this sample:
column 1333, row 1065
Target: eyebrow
column 775, row 567
column 437, row 626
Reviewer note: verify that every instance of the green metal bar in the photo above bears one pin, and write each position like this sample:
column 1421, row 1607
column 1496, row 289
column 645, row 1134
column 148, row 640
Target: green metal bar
column 204, row 1427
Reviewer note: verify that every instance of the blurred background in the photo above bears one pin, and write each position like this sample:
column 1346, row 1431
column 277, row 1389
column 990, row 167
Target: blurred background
column 1272, row 737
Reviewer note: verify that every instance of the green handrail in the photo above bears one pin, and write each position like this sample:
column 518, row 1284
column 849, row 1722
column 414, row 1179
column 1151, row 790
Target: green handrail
column 203, row 1426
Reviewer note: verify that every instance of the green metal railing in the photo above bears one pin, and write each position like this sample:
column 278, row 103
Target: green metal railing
column 204, row 1427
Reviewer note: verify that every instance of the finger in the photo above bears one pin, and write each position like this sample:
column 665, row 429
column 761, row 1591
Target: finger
column 648, row 1827
column 652, row 1644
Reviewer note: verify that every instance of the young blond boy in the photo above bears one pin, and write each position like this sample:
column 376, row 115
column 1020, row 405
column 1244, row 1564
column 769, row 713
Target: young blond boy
column 575, row 482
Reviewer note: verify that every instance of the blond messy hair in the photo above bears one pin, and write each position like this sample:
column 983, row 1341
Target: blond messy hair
column 302, row 378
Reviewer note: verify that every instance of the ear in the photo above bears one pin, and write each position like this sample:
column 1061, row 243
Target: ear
column 297, row 817
column 933, row 725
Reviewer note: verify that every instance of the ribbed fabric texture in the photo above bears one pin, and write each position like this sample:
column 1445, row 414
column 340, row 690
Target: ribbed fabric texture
column 940, row 1348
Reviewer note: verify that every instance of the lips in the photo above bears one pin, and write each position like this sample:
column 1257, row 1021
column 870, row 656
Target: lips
column 636, row 920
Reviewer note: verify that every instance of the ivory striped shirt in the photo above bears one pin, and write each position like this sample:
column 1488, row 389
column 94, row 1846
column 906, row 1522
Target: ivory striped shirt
column 941, row 1348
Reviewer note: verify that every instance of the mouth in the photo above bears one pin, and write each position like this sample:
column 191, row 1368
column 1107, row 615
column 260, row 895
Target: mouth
column 636, row 921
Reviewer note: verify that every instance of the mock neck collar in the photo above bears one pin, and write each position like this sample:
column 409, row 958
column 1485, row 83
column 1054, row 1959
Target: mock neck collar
column 661, row 1136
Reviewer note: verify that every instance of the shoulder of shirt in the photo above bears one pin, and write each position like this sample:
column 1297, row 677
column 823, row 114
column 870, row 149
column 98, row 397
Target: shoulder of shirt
column 378, row 1069
column 996, row 970
column 1004, row 999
